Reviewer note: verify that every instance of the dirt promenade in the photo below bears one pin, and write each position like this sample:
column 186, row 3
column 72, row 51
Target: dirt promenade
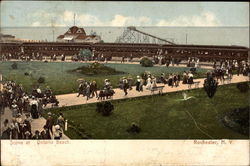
column 72, row 99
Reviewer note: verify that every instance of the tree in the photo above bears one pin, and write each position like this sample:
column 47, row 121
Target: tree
column 85, row 54
column 105, row 108
column 14, row 65
column 210, row 86
column 146, row 62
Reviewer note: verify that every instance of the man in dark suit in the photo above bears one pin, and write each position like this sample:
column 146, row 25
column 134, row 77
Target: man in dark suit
column 125, row 85
column 50, row 122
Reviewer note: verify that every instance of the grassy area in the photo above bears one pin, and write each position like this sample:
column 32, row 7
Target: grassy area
column 61, row 81
column 160, row 117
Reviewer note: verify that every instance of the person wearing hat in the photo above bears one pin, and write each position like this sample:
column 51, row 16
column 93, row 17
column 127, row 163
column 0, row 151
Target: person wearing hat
column 88, row 92
column 37, row 135
column 61, row 121
column 50, row 122
column 149, row 82
column 175, row 80
column 48, row 91
column 45, row 134
column 185, row 78
column 190, row 79
column 14, row 129
column 58, row 132
column 19, row 121
column 6, row 130
column 26, row 126
column 170, row 80
column 80, row 88
column 138, row 81
column 153, row 82
column 141, row 84
column 27, row 135
column 125, row 85
column 39, row 91
column 178, row 79
column 34, row 108
column 14, row 108
column 130, row 82
column 93, row 89
column 107, row 84
column 25, row 102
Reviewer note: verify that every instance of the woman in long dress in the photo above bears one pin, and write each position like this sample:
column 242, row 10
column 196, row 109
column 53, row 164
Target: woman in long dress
column 14, row 129
column 138, row 82
column 149, row 84
column 6, row 130
column 184, row 78
column 153, row 82
column 190, row 80
column 170, row 80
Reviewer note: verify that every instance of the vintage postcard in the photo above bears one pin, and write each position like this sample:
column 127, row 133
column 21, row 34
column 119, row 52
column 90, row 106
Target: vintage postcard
column 113, row 83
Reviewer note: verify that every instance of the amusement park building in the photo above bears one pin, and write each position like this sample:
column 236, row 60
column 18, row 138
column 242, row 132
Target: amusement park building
column 76, row 34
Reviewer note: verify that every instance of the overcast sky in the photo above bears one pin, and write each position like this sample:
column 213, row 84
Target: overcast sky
column 45, row 13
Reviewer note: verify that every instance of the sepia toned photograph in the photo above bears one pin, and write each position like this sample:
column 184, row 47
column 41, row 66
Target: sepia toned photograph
column 131, row 77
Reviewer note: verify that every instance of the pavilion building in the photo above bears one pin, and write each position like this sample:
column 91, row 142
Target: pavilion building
column 76, row 34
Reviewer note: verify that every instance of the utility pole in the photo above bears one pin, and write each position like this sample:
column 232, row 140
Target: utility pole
column 74, row 19
column 53, row 35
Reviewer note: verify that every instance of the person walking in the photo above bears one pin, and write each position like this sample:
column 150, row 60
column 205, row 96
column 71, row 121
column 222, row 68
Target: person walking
column 141, row 85
column 45, row 133
column 170, row 81
column 93, row 89
column 149, row 82
column 34, row 108
column 138, row 82
column 88, row 90
column 14, row 129
column 14, row 108
column 6, row 130
column 125, row 85
column 61, row 121
column 58, row 132
column 190, row 79
column 80, row 89
column 185, row 78
column 153, row 82
column 37, row 135
column 178, row 79
column 50, row 122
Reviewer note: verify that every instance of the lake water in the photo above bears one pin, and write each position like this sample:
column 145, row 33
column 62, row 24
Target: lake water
column 195, row 35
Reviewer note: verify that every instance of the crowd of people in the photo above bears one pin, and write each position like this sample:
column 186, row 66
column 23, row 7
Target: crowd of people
column 239, row 66
column 224, row 70
column 20, row 128
column 21, row 56
column 146, row 81
column 27, row 107
column 24, row 109
column 163, row 60
column 88, row 89
column 159, row 58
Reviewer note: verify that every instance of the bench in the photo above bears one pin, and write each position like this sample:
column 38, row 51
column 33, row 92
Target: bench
column 196, row 84
column 158, row 88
